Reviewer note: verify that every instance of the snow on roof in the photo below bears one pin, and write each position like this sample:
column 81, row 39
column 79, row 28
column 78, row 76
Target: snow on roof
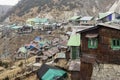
column 86, row 18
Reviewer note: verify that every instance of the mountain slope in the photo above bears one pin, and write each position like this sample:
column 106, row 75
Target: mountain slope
column 53, row 8
column 4, row 9
column 115, row 7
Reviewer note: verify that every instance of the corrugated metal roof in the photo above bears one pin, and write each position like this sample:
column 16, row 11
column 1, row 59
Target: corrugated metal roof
column 110, row 26
column 80, row 28
column 74, row 65
column 74, row 17
column 117, row 27
column 60, row 55
column 16, row 27
column 114, row 21
column 86, row 18
column 103, row 15
column 23, row 50
column 74, row 40
column 38, row 20
column 52, row 73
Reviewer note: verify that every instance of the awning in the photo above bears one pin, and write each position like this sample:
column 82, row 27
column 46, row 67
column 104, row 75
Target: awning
column 91, row 35
column 74, row 40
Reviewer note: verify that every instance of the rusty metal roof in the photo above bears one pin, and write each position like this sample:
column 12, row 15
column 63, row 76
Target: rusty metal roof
column 74, row 65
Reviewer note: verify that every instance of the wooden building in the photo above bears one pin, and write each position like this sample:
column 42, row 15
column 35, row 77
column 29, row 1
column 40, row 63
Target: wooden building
column 74, row 56
column 74, row 19
column 85, row 71
column 74, row 43
column 35, row 21
column 21, row 53
column 87, row 21
column 103, row 41
column 25, row 29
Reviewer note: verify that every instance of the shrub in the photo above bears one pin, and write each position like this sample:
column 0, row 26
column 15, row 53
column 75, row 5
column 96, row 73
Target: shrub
column 4, row 64
column 6, row 78
column 21, row 64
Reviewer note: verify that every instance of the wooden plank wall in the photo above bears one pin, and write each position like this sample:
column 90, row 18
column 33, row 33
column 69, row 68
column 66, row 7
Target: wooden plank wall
column 104, row 52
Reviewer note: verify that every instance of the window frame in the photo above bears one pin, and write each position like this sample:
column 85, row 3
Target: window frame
column 75, row 54
column 115, row 44
column 93, row 41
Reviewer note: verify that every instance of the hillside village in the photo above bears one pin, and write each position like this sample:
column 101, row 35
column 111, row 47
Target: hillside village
column 79, row 48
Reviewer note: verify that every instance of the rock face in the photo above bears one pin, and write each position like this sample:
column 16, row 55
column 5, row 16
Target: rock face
column 106, row 72
column 4, row 9
column 115, row 7
column 29, row 8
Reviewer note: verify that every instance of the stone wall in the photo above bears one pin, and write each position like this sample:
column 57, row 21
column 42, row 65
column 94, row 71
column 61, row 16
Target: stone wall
column 106, row 72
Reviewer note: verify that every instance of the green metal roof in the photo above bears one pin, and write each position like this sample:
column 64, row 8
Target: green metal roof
column 102, row 15
column 52, row 73
column 74, row 40
column 15, row 27
column 43, row 20
column 74, row 18
column 23, row 50
column 38, row 20
column 29, row 25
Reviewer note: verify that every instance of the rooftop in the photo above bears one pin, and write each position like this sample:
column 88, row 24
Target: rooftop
column 110, row 25
column 74, row 40
column 113, row 26
column 86, row 18
column 102, row 15
column 74, row 18
column 74, row 65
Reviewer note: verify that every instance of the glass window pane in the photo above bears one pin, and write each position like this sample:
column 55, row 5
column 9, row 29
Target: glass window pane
column 114, row 42
column 92, row 43
column 74, row 52
column 117, row 42
column 95, row 43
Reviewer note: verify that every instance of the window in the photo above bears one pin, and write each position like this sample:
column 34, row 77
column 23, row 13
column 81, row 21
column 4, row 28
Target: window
column 84, row 21
column 74, row 52
column 92, row 43
column 115, row 44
